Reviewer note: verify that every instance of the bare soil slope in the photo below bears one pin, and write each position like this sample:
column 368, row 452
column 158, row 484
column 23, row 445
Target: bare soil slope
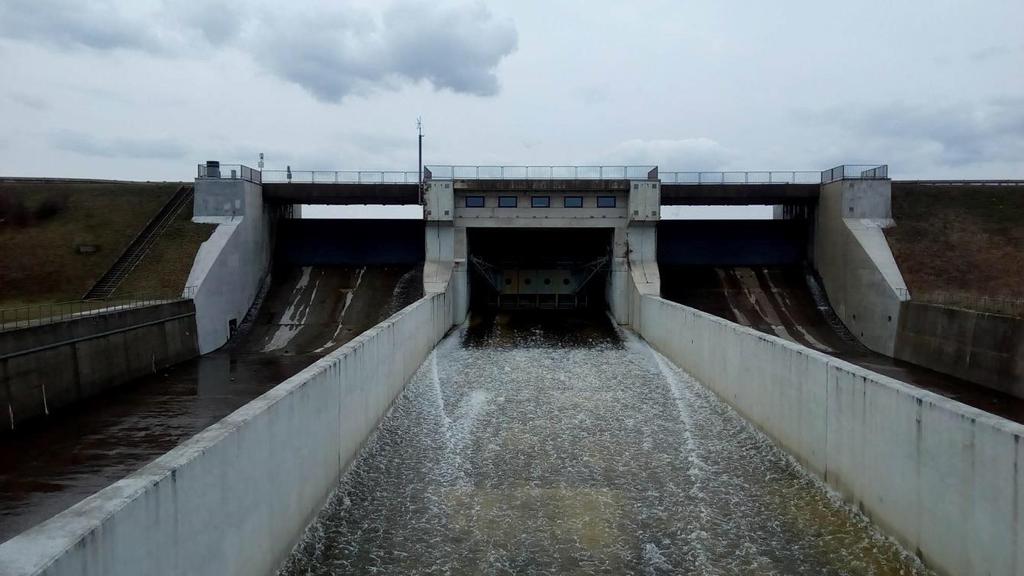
column 959, row 239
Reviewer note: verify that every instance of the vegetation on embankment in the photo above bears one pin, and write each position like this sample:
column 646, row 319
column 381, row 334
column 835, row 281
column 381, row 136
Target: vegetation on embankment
column 58, row 237
column 164, row 270
column 959, row 240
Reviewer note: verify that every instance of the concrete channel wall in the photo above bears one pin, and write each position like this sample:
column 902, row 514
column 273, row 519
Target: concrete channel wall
column 863, row 282
column 986, row 349
column 939, row 476
column 230, row 266
column 44, row 368
column 234, row 499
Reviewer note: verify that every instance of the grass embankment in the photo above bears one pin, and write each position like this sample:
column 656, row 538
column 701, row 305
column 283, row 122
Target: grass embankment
column 57, row 238
column 164, row 270
column 959, row 240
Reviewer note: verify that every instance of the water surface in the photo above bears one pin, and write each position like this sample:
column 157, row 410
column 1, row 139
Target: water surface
column 553, row 444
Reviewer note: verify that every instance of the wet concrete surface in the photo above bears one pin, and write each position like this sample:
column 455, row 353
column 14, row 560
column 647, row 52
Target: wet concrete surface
column 781, row 301
column 555, row 443
column 49, row 465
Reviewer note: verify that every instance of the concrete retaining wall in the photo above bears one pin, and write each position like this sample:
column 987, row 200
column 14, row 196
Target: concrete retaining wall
column 939, row 476
column 235, row 498
column 44, row 368
column 987, row 349
column 861, row 278
column 229, row 267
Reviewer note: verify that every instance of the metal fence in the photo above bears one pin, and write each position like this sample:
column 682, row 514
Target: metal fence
column 1011, row 183
column 991, row 304
column 340, row 177
column 746, row 177
column 229, row 172
column 541, row 173
column 855, row 172
column 49, row 313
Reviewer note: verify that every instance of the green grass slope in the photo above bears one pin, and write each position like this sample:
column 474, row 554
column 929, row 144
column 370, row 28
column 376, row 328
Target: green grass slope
column 48, row 229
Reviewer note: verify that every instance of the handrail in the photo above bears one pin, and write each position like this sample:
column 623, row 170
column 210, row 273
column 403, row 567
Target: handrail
column 1007, row 306
column 340, row 177
column 216, row 170
column 962, row 182
column 744, row 177
column 52, row 312
column 459, row 172
column 855, row 172
column 524, row 172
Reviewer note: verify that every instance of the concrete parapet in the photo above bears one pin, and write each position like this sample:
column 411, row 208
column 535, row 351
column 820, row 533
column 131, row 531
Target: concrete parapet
column 44, row 368
column 939, row 476
column 986, row 349
column 235, row 498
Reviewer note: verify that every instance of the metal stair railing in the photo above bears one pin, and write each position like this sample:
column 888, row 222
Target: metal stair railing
column 138, row 248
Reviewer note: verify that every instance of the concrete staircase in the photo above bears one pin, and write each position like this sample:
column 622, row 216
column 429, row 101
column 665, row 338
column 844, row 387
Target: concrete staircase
column 821, row 301
column 133, row 254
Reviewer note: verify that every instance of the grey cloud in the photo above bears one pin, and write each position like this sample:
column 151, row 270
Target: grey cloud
column 330, row 49
column 219, row 22
column 954, row 134
column 29, row 101
column 336, row 52
column 102, row 25
column 140, row 148
column 455, row 47
column 989, row 53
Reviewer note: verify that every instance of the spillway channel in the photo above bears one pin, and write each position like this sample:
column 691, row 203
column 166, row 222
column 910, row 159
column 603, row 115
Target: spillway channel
column 560, row 444
column 49, row 465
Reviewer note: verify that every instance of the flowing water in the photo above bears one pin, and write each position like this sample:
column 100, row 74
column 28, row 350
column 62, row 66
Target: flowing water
column 558, row 445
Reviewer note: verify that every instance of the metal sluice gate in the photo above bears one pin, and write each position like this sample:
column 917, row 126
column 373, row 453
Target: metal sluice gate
column 561, row 286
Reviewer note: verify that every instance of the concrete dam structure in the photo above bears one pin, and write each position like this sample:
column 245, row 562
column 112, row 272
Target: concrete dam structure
column 543, row 376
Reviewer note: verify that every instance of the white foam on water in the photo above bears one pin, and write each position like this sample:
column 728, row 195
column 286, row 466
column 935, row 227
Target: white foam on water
column 522, row 453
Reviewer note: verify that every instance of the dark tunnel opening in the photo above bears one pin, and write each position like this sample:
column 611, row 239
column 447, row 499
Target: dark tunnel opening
column 538, row 268
column 755, row 272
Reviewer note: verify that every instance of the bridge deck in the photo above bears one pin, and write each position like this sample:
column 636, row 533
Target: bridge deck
column 738, row 194
column 671, row 194
column 340, row 193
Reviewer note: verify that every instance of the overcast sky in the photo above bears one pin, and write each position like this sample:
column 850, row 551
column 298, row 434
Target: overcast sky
column 145, row 89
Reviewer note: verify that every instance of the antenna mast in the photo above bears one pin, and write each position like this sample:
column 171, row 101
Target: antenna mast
column 419, row 163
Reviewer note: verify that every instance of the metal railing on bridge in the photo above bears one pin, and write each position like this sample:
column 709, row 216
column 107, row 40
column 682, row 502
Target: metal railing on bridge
column 217, row 170
column 339, row 177
column 461, row 172
column 541, row 173
column 51, row 312
column 745, row 177
column 855, row 172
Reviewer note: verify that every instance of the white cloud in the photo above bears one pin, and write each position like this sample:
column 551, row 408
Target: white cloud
column 681, row 154
column 136, row 147
column 914, row 136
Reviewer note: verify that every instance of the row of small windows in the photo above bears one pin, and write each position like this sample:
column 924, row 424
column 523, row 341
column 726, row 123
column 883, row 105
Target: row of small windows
column 527, row 281
column 540, row 201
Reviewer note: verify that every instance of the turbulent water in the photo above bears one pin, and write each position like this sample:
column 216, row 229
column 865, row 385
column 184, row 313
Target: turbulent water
column 544, row 446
